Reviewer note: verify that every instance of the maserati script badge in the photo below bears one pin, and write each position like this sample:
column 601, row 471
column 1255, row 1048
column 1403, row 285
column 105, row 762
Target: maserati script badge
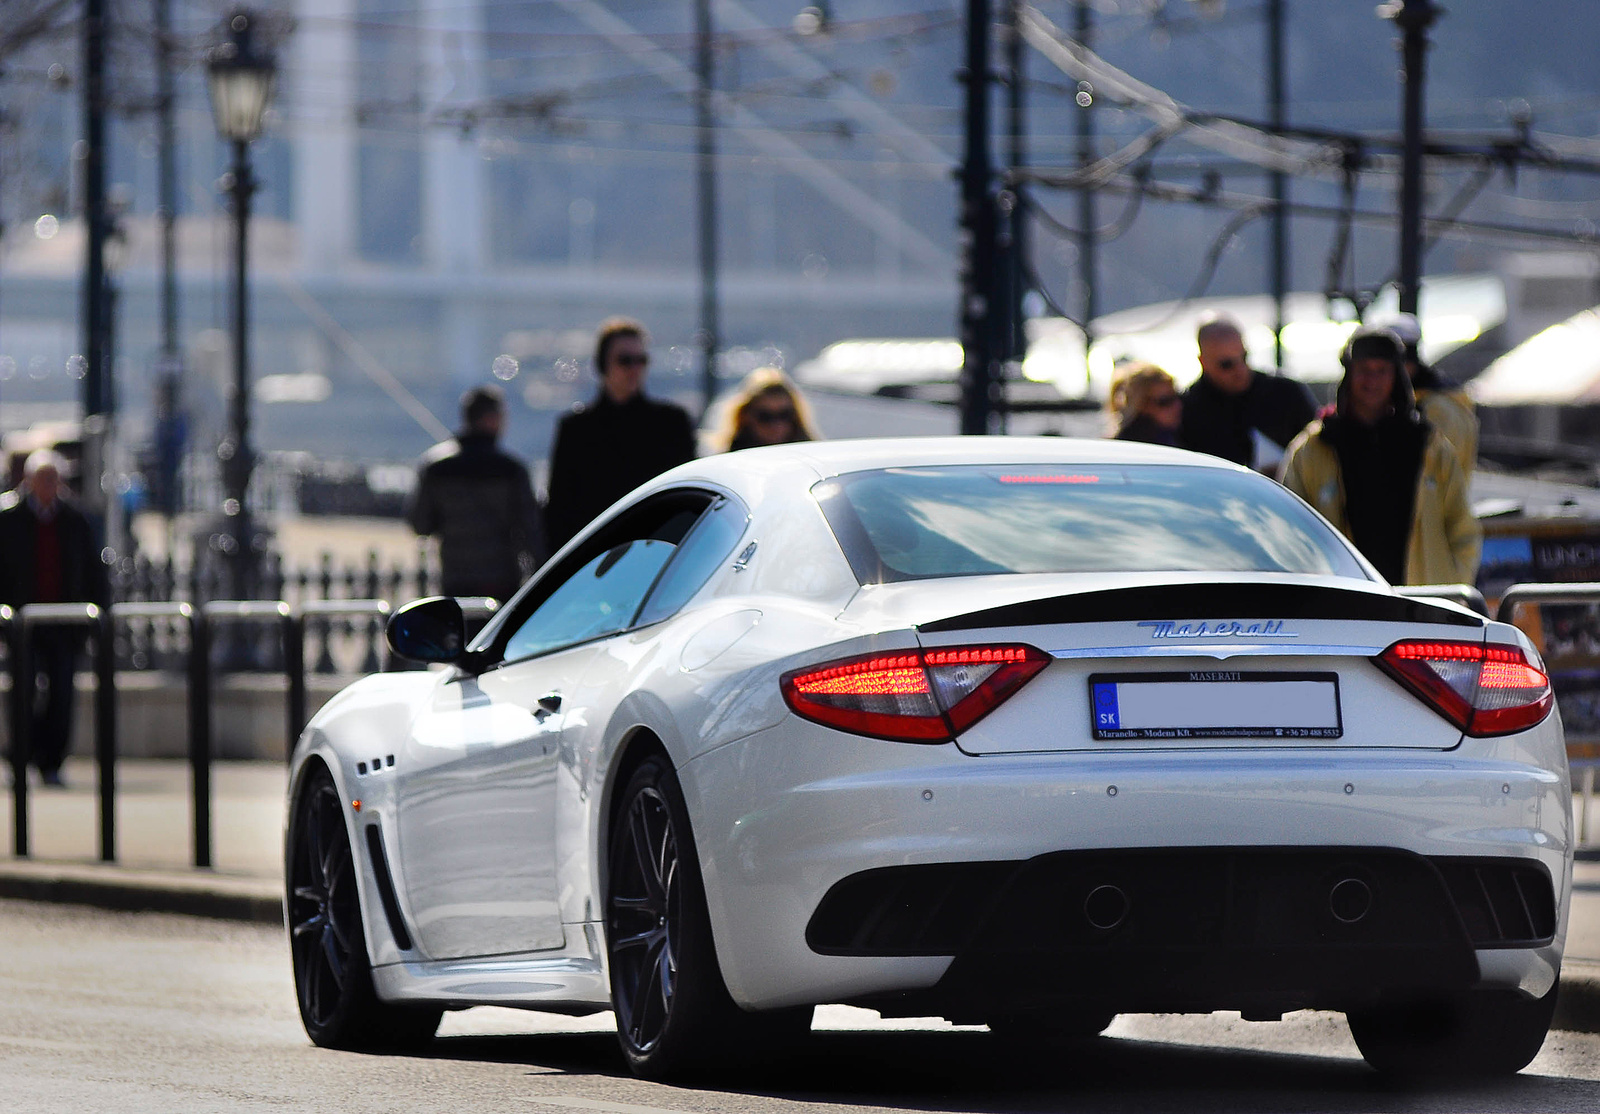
column 1222, row 628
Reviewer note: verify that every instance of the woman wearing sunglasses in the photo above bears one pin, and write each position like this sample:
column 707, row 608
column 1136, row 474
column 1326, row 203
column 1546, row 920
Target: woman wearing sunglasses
column 1145, row 405
column 767, row 409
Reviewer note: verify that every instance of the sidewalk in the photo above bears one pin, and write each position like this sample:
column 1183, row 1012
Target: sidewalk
column 154, row 853
column 154, row 841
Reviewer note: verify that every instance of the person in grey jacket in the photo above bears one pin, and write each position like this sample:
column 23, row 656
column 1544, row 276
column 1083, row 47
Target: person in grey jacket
column 478, row 501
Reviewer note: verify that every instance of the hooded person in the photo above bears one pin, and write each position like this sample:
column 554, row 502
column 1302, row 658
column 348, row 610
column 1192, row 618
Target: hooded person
column 1383, row 475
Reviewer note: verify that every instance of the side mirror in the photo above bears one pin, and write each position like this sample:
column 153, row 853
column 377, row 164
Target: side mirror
column 430, row 629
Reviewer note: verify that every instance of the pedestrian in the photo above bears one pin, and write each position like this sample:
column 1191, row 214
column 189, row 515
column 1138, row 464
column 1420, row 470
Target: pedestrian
column 477, row 499
column 49, row 554
column 1145, row 405
column 1443, row 403
column 1384, row 476
column 609, row 446
column 767, row 409
column 1236, row 413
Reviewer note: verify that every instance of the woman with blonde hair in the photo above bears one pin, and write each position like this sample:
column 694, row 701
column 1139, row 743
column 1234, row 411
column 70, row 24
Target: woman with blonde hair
column 767, row 409
column 1145, row 405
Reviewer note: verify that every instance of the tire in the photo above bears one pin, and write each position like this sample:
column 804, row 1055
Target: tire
column 1485, row 1032
column 675, row 1018
column 332, row 974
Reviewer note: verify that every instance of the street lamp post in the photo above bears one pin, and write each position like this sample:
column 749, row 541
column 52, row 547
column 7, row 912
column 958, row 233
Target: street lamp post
column 241, row 78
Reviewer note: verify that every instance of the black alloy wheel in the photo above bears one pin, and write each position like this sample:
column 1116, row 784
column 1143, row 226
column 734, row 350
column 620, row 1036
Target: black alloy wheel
column 332, row 974
column 1479, row 1033
column 646, row 918
column 674, row 1014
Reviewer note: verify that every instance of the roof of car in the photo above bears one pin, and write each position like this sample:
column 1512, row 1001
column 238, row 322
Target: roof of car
column 829, row 458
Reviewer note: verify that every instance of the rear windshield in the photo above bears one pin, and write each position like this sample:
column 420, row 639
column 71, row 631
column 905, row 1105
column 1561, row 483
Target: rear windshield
column 915, row 523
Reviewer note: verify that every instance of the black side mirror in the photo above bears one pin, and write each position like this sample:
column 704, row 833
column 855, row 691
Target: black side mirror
column 430, row 629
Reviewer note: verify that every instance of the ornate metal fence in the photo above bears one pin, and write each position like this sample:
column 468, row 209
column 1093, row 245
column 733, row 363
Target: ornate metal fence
column 336, row 643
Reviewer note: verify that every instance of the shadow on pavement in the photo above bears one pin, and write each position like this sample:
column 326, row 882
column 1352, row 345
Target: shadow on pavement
column 565, row 1053
column 975, row 1071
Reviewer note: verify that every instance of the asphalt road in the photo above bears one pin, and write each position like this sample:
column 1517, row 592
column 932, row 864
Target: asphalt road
column 141, row 1012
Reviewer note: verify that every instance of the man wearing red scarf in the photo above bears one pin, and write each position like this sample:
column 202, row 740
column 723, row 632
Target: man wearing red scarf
column 49, row 554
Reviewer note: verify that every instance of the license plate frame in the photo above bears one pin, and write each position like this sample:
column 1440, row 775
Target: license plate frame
column 1148, row 703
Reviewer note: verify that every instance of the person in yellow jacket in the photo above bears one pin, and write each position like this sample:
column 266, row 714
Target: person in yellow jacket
column 1385, row 477
column 1443, row 403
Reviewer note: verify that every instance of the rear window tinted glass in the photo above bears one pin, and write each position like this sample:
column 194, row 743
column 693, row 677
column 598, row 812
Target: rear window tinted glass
column 914, row 523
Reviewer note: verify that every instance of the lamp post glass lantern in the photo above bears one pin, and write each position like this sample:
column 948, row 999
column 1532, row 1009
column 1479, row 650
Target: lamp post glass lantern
column 242, row 83
column 241, row 79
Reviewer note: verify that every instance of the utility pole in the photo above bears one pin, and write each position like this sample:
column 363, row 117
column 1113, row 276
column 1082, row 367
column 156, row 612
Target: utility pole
column 1276, row 97
column 168, row 151
column 980, row 304
column 1016, row 346
column 170, row 431
column 1413, row 17
column 1088, row 238
column 705, row 124
column 97, row 375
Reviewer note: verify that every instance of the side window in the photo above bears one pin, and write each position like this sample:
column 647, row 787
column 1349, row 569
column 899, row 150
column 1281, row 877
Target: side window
column 600, row 598
column 710, row 543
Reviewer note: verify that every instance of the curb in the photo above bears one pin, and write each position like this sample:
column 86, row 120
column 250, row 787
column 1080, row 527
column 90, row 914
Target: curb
column 195, row 894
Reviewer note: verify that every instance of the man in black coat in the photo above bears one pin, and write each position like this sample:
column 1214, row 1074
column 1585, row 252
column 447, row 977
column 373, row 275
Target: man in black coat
column 605, row 449
column 1236, row 413
column 49, row 554
column 480, row 503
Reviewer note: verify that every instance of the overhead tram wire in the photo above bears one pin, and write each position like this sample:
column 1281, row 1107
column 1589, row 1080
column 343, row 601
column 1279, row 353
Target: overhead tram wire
column 1163, row 191
column 1244, row 143
column 1105, row 233
column 896, row 27
column 1280, row 150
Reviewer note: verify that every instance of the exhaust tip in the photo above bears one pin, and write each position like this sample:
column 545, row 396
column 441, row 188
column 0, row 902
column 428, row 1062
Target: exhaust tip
column 1106, row 907
column 1350, row 900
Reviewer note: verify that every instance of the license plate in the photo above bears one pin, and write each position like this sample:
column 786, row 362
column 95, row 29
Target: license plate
column 1215, row 704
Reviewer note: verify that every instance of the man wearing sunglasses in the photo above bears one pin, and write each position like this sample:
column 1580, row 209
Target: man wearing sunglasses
column 1236, row 413
column 605, row 448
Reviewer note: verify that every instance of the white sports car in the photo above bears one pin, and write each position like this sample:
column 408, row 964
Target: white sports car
column 1026, row 732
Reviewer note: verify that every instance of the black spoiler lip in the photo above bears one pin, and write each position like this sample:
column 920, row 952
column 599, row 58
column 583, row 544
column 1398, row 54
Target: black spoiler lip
column 1226, row 600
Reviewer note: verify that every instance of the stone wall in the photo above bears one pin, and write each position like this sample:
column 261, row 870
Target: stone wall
column 248, row 714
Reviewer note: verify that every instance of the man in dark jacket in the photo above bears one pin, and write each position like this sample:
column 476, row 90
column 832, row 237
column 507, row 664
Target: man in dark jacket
column 49, row 554
column 480, row 503
column 605, row 449
column 1236, row 413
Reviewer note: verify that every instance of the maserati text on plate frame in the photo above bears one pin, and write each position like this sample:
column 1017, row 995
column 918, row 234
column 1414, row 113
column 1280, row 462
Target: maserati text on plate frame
column 1216, row 704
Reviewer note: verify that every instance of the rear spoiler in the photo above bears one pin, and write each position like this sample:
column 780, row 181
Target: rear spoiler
column 1464, row 594
column 1211, row 601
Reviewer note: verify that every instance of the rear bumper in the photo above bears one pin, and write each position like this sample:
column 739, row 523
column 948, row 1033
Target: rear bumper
column 785, row 816
column 1191, row 929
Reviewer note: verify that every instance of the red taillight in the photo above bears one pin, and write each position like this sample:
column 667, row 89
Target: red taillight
column 920, row 696
column 1484, row 690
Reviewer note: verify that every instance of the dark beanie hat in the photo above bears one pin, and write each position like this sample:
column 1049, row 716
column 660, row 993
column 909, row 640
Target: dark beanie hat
column 1370, row 341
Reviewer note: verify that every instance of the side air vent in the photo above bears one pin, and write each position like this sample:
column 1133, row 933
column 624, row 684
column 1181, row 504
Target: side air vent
column 386, row 894
column 1502, row 904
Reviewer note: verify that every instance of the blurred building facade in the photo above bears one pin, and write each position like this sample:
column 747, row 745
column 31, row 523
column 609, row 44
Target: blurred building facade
column 447, row 184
